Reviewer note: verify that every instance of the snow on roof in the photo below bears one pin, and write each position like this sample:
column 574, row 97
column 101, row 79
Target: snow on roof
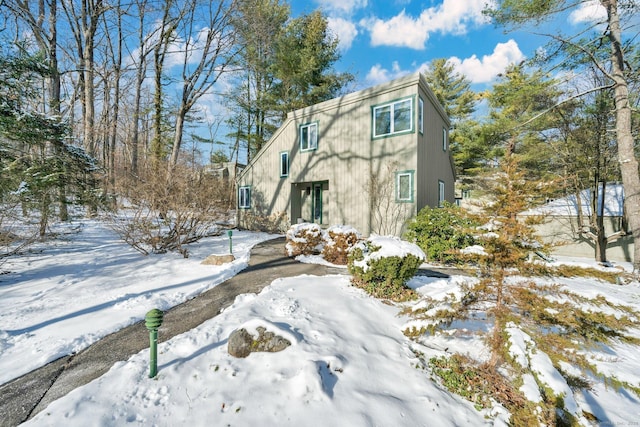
column 568, row 206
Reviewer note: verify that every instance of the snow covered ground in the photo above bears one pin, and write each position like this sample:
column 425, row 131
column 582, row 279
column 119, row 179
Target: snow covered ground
column 349, row 363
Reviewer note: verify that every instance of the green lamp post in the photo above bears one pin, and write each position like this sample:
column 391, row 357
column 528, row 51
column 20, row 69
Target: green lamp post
column 153, row 320
column 230, row 233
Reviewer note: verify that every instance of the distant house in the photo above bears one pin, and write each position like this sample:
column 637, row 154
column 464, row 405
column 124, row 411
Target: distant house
column 226, row 171
column 563, row 226
column 371, row 159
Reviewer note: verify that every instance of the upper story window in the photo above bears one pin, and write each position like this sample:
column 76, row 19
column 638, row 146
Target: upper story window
column 445, row 138
column 393, row 118
column 244, row 197
column 309, row 137
column 284, row 164
column 420, row 115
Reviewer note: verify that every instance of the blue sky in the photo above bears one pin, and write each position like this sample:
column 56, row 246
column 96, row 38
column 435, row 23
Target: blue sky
column 384, row 39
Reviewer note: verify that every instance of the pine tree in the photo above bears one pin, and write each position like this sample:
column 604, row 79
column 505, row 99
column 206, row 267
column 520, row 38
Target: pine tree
column 36, row 157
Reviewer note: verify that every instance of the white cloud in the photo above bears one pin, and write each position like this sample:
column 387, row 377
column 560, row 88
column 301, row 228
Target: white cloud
column 342, row 6
column 590, row 12
column 486, row 69
column 377, row 74
column 476, row 70
column 401, row 30
column 450, row 17
column 345, row 30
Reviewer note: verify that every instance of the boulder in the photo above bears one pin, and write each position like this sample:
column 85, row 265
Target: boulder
column 242, row 343
column 218, row 259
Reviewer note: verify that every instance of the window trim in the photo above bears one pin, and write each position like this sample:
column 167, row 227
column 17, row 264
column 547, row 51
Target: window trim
column 246, row 189
column 308, row 126
column 410, row 174
column 420, row 115
column 441, row 195
column 391, row 105
column 284, row 161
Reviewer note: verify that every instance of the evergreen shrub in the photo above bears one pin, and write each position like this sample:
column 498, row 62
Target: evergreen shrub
column 442, row 232
column 383, row 265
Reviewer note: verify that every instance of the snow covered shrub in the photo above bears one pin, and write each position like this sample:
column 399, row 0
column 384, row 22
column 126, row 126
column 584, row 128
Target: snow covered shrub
column 442, row 232
column 304, row 239
column 383, row 265
column 339, row 240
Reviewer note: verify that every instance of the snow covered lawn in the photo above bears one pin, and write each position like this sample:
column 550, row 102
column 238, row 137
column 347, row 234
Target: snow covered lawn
column 349, row 363
column 71, row 292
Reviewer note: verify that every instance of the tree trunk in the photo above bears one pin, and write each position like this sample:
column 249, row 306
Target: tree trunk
column 54, row 99
column 177, row 139
column 597, row 207
column 140, row 70
column 626, row 155
column 159, row 54
column 89, row 97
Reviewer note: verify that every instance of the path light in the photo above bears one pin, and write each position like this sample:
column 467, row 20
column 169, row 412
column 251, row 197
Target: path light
column 230, row 233
column 153, row 320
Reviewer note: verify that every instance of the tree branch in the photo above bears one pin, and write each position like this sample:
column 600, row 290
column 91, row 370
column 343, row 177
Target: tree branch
column 537, row 116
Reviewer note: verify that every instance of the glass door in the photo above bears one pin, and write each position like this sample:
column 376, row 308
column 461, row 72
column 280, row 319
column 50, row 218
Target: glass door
column 317, row 203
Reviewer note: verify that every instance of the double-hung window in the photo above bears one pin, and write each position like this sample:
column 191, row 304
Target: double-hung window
column 393, row 118
column 244, row 197
column 309, row 137
column 284, row 164
column 404, row 186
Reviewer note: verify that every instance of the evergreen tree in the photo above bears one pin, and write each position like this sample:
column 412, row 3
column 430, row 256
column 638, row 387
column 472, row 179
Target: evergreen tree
column 36, row 158
column 515, row 120
column 287, row 64
column 452, row 89
column 258, row 23
column 305, row 55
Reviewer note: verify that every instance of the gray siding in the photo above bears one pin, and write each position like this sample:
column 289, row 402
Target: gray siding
column 345, row 160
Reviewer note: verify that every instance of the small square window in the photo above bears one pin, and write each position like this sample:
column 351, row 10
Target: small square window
column 244, row 197
column 284, row 164
column 309, row 137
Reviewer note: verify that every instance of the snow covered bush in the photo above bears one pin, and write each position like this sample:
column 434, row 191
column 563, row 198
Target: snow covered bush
column 339, row 240
column 304, row 239
column 382, row 265
column 442, row 232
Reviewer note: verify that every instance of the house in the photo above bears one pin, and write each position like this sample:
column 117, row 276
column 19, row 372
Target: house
column 226, row 171
column 566, row 224
column 370, row 159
